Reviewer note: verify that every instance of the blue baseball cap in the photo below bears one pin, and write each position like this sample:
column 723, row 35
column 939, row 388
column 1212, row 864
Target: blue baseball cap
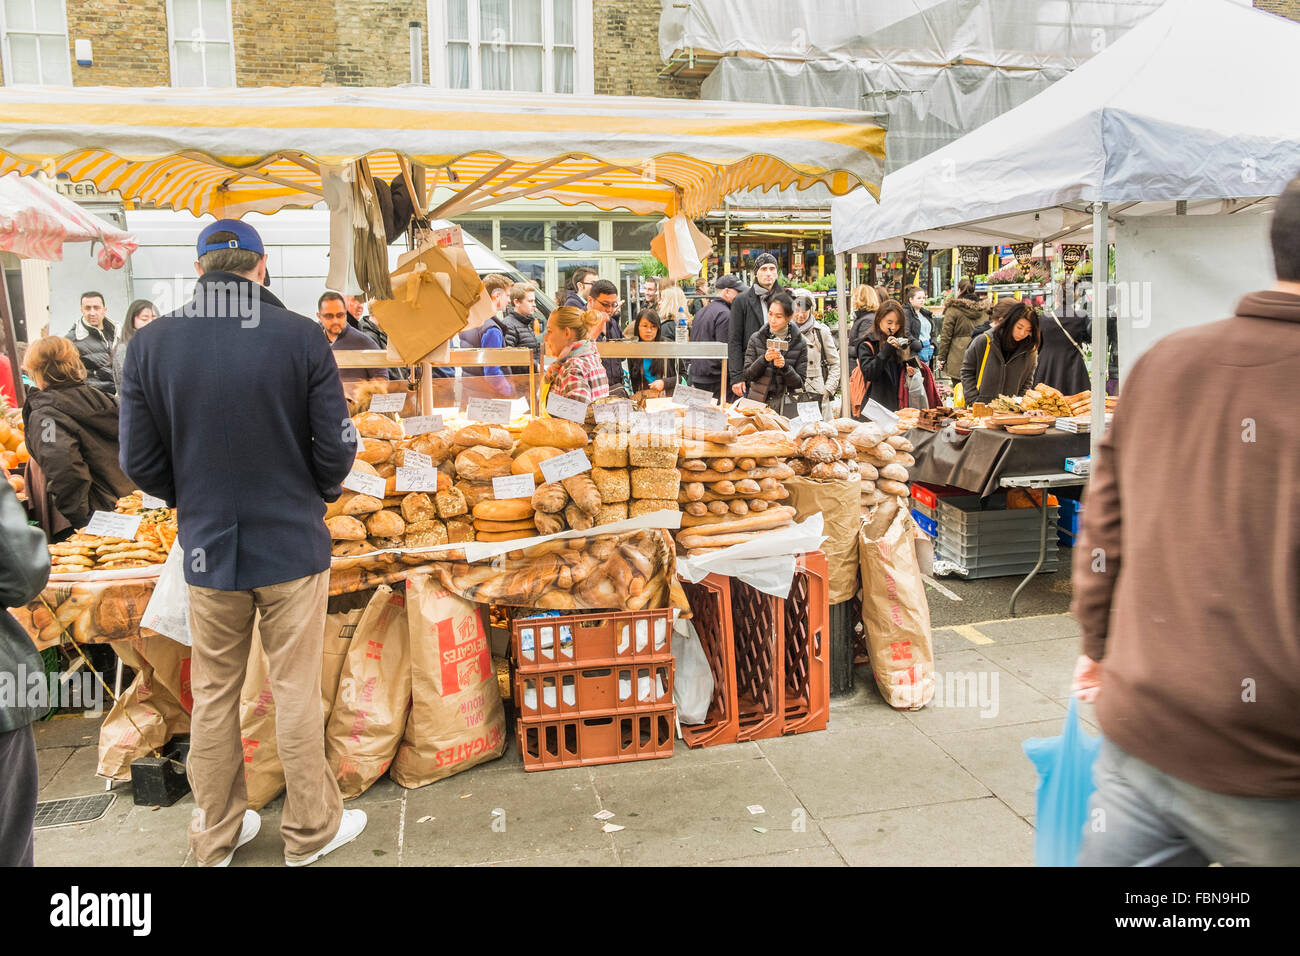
column 246, row 237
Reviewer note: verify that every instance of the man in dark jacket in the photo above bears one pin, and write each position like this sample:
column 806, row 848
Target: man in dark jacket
column 24, row 568
column 713, row 324
column 332, row 313
column 603, row 298
column 94, row 337
column 517, row 324
column 232, row 412
column 579, row 289
column 1192, row 662
column 748, row 315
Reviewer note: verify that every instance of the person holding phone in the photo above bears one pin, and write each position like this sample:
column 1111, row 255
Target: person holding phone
column 776, row 359
column 883, row 355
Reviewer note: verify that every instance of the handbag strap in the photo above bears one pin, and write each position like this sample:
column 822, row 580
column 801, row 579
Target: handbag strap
column 1056, row 319
column 979, row 379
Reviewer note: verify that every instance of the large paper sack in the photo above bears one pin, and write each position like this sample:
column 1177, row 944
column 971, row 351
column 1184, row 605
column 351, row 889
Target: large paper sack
column 457, row 720
column 1064, row 766
column 840, row 505
column 896, row 614
column 374, row 693
column 143, row 718
column 263, row 773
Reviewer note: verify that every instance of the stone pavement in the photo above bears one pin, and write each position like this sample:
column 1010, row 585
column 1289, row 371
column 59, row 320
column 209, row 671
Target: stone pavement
column 944, row 786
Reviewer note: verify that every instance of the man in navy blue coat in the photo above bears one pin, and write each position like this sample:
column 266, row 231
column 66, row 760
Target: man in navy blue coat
column 232, row 411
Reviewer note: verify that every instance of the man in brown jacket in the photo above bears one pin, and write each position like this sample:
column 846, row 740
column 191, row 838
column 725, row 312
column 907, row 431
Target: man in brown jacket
column 1187, row 588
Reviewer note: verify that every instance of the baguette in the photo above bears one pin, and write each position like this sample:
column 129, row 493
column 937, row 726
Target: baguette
column 761, row 445
column 701, row 538
column 748, row 486
column 772, row 518
column 695, row 521
column 746, row 464
column 554, row 432
column 694, row 464
column 759, row 504
column 739, row 507
column 723, row 464
column 723, row 487
column 709, row 434
column 504, row 509
column 696, row 508
column 776, row 494
column 693, row 490
column 778, row 472
column 718, row 508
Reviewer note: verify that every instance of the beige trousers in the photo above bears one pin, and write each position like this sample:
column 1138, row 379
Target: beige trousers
column 292, row 628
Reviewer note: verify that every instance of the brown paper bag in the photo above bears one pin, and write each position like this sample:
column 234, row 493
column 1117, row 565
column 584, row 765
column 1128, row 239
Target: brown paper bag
column 143, row 719
column 896, row 614
column 839, row 502
column 457, row 720
column 374, row 694
column 436, row 293
column 339, row 629
column 263, row 772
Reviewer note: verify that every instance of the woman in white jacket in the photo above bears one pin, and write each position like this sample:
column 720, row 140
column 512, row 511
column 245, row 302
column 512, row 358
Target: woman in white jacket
column 822, row 380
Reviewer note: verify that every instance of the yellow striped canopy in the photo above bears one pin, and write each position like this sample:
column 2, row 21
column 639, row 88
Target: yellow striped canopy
column 228, row 152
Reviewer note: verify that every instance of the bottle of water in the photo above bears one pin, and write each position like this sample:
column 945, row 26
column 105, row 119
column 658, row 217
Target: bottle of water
column 683, row 330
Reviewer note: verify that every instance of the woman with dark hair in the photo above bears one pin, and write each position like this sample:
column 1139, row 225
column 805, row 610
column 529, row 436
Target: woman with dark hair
column 865, row 303
column 776, row 358
column 651, row 378
column 920, row 323
column 1001, row 361
column 72, row 432
column 962, row 313
column 883, row 354
column 140, row 314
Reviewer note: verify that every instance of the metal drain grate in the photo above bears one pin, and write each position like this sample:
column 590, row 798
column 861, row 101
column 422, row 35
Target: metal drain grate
column 61, row 813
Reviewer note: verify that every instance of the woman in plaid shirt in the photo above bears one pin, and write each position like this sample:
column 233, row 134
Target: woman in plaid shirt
column 577, row 372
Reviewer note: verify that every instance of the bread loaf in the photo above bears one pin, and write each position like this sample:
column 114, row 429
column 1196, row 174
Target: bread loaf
column 483, row 524
column 696, row 508
column 718, row 508
column 578, row 519
column 437, row 445
column 694, row 464
column 820, row 448
column 474, row 492
column 582, row 489
column 335, row 508
column 450, row 504
column 429, row 534
column 610, row 450
column 361, row 505
column 723, row 487
column 661, row 483
column 492, row 536
column 612, row 483
column 349, row 549
column 548, row 523
column 346, row 528
column 724, row 464
column 459, row 530
column 748, row 486
column 905, row 459
column 363, row 467
column 868, row 471
column 554, row 433
column 901, row 443
column 483, row 463
column 374, row 425
column 550, row 498
column 417, row 506
column 608, row 514
column 374, row 450
column 530, row 462
column 645, row 506
column 801, row 467
column 491, row 436
column 759, row 504
column 836, row 470
column 693, row 490
column 386, row 469
column 385, row 524
column 739, row 507
column 812, row 429
column 505, row 509
column 891, row 487
column 746, row 464
column 894, row 471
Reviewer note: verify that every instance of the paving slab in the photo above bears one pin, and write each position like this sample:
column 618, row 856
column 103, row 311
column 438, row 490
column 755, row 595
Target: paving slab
column 545, row 813
column 972, row 691
column 685, row 816
column 811, row 856
column 127, row 836
column 75, row 777
column 1026, row 630
column 993, row 755
column 856, row 766
column 964, row 833
column 1046, row 666
column 67, row 730
column 376, row 846
column 586, row 856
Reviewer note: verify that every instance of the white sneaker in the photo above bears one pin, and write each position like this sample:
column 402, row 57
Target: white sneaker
column 247, row 830
column 350, row 827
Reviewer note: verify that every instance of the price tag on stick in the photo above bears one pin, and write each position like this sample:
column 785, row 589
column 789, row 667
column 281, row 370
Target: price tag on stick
column 421, row 424
column 388, row 402
column 706, row 419
column 416, row 479
column 566, row 408
column 688, row 396
column 364, row 484
column 489, row 411
column 565, row 466
column 513, row 486
column 110, row 524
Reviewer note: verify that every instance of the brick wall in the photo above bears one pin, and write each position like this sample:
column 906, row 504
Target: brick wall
column 1285, row 8
column 128, row 39
column 627, row 59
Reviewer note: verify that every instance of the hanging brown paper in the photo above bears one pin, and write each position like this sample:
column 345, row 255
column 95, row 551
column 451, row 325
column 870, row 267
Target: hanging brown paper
column 840, row 503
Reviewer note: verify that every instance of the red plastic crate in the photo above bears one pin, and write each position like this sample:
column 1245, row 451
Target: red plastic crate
column 581, row 741
column 806, row 629
column 710, row 601
column 611, row 637
column 757, row 620
column 929, row 495
column 589, row 691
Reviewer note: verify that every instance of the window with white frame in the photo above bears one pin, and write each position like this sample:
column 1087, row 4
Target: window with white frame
column 36, row 43
column 201, row 43
column 520, row 45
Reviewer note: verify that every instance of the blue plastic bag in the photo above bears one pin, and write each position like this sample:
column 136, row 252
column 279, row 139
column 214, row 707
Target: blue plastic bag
column 1064, row 767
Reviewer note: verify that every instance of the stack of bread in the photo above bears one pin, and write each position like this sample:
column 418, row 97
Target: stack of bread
column 571, row 504
column 731, row 485
column 653, row 445
column 882, row 462
column 824, row 450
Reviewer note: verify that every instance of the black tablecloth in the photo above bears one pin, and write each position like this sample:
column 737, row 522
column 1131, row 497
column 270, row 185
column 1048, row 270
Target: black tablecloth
column 978, row 461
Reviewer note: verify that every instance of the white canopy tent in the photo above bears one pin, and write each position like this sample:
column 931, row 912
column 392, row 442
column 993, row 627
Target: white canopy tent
column 1177, row 111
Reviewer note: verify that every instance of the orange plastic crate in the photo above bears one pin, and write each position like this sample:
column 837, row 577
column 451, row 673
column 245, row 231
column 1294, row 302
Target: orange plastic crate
column 710, row 601
column 583, row 741
column 593, row 690
column 805, row 632
column 610, row 637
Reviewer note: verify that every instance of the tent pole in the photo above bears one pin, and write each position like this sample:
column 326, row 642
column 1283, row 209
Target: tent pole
column 1100, row 309
column 840, row 308
column 10, row 334
column 726, row 238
